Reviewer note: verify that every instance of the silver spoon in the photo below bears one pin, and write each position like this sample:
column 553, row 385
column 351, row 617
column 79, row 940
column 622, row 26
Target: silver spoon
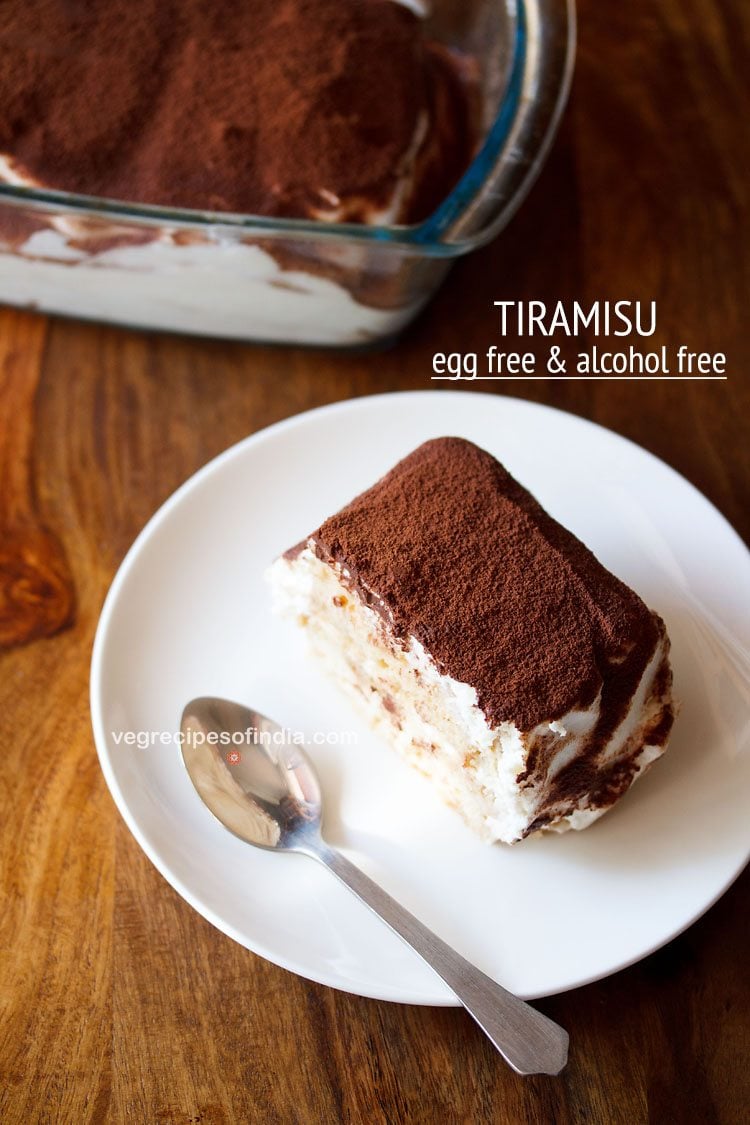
column 266, row 791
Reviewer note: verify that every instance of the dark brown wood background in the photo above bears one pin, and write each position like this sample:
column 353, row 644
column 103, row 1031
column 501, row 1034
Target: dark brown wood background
column 118, row 1002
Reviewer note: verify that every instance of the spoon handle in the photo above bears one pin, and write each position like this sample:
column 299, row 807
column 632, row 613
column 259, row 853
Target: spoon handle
column 529, row 1041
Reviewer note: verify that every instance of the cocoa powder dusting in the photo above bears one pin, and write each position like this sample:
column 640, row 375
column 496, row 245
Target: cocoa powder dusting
column 459, row 555
column 275, row 107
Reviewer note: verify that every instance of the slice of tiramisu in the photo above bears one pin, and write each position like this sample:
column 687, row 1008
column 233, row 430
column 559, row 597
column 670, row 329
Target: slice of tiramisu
column 501, row 658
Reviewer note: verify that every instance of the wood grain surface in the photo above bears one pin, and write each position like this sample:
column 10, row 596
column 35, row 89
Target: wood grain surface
column 119, row 1003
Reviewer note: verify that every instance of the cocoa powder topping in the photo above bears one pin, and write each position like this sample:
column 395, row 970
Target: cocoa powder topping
column 294, row 108
column 455, row 552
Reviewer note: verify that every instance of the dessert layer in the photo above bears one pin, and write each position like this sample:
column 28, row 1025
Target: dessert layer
column 301, row 108
column 165, row 285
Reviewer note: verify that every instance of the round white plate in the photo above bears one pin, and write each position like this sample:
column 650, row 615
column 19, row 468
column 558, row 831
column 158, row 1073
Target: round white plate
column 188, row 614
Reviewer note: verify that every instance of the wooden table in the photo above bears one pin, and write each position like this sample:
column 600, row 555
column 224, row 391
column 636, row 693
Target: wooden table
column 119, row 1002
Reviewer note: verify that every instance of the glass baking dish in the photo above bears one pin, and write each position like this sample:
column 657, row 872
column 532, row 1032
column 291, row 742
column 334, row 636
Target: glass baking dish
column 292, row 281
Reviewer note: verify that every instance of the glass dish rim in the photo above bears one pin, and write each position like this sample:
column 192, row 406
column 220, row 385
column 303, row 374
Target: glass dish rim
column 429, row 236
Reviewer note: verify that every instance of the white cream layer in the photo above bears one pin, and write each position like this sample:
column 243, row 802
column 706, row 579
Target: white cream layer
column 222, row 288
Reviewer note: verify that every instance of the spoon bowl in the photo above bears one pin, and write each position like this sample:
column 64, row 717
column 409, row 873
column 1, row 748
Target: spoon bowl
column 251, row 775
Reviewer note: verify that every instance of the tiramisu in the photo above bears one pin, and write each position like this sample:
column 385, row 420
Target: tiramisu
column 487, row 642
column 303, row 109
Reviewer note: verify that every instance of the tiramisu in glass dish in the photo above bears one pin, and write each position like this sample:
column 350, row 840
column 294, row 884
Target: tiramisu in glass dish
column 486, row 641
column 299, row 171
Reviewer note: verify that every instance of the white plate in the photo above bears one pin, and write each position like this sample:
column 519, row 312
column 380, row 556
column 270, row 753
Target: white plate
column 188, row 615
